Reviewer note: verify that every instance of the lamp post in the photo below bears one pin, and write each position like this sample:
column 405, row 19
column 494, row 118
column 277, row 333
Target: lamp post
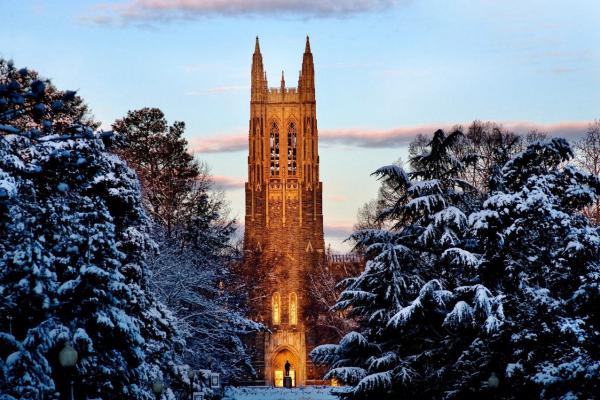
column 157, row 388
column 493, row 381
column 68, row 358
column 191, row 374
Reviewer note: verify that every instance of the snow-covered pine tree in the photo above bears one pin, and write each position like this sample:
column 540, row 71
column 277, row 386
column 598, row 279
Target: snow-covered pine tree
column 415, row 310
column 73, row 110
column 541, row 253
column 72, row 233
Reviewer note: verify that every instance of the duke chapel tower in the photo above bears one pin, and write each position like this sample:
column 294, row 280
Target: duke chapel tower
column 284, row 220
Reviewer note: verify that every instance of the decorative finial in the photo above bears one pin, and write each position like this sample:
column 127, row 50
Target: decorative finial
column 307, row 49
column 257, row 46
column 282, row 80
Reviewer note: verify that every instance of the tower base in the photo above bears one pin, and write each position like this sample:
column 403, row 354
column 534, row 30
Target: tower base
column 285, row 345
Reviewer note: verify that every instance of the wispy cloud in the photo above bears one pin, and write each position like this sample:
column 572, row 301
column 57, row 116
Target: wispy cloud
column 340, row 229
column 374, row 138
column 216, row 90
column 219, row 144
column 228, row 182
column 560, row 62
column 566, row 129
column 144, row 11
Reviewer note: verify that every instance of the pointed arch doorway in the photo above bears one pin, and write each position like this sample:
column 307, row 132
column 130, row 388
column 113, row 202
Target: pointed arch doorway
column 278, row 366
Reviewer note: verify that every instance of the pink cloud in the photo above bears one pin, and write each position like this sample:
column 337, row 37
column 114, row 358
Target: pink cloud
column 567, row 129
column 385, row 138
column 373, row 137
column 340, row 229
column 228, row 182
column 164, row 10
column 219, row 144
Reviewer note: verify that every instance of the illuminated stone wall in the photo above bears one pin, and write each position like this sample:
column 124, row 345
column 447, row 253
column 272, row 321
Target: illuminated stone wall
column 284, row 217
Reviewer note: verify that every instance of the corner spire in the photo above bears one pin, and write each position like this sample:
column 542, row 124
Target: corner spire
column 258, row 82
column 282, row 81
column 306, row 82
column 257, row 46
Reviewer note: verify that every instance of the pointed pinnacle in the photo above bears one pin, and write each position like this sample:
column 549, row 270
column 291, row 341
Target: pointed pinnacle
column 257, row 46
column 282, row 80
column 307, row 48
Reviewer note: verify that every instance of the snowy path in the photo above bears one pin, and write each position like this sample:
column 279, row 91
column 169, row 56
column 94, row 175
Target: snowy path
column 269, row 393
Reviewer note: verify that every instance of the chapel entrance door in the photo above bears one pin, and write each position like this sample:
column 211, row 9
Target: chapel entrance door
column 278, row 367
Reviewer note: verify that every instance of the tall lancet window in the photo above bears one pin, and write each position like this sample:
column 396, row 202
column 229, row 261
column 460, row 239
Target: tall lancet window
column 274, row 145
column 291, row 148
column 293, row 309
column 276, row 306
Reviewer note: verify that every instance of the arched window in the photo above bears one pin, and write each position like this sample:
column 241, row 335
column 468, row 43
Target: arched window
column 293, row 309
column 292, row 137
column 256, row 140
column 274, row 146
column 276, row 305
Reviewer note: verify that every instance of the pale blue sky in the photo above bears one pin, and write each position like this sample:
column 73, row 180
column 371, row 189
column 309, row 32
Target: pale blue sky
column 384, row 69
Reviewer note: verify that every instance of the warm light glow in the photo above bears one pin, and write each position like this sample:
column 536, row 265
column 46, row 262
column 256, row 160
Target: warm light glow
column 334, row 382
column 279, row 377
column 276, row 308
column 293, row 309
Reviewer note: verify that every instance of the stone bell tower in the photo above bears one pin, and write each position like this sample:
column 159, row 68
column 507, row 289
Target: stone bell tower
column 284, row 217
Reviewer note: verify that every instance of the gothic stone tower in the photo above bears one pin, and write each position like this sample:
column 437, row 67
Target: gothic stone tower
column 284, row 220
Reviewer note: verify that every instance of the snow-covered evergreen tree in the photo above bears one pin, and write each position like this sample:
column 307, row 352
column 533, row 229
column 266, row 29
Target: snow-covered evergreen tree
column 502, row 303
column 414, row 297
column 541, row 253
column 72, row 239
column 73, row 110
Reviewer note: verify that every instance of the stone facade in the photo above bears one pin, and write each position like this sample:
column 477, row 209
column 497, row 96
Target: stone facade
column 284, row 217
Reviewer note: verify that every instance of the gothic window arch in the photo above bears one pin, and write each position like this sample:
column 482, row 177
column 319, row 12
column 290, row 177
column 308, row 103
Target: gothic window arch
column 276, row 306
column 274, row 148
column 256, row 141
column 293, row 309
column 292, row 138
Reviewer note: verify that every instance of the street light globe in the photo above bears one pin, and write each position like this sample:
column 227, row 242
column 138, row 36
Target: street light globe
column 493, row 381
column 191, row 374
column 67, row 356
column 157, row 386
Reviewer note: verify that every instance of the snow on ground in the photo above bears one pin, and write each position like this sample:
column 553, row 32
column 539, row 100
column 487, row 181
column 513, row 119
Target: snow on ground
column 270, row 393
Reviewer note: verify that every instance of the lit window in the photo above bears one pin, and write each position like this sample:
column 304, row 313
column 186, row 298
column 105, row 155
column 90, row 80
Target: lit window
column 291, row 148
column 276, row 308
column 274, row 146
column 293, row 309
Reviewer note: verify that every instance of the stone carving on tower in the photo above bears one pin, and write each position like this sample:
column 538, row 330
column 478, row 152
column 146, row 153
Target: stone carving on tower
column 284, row 218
